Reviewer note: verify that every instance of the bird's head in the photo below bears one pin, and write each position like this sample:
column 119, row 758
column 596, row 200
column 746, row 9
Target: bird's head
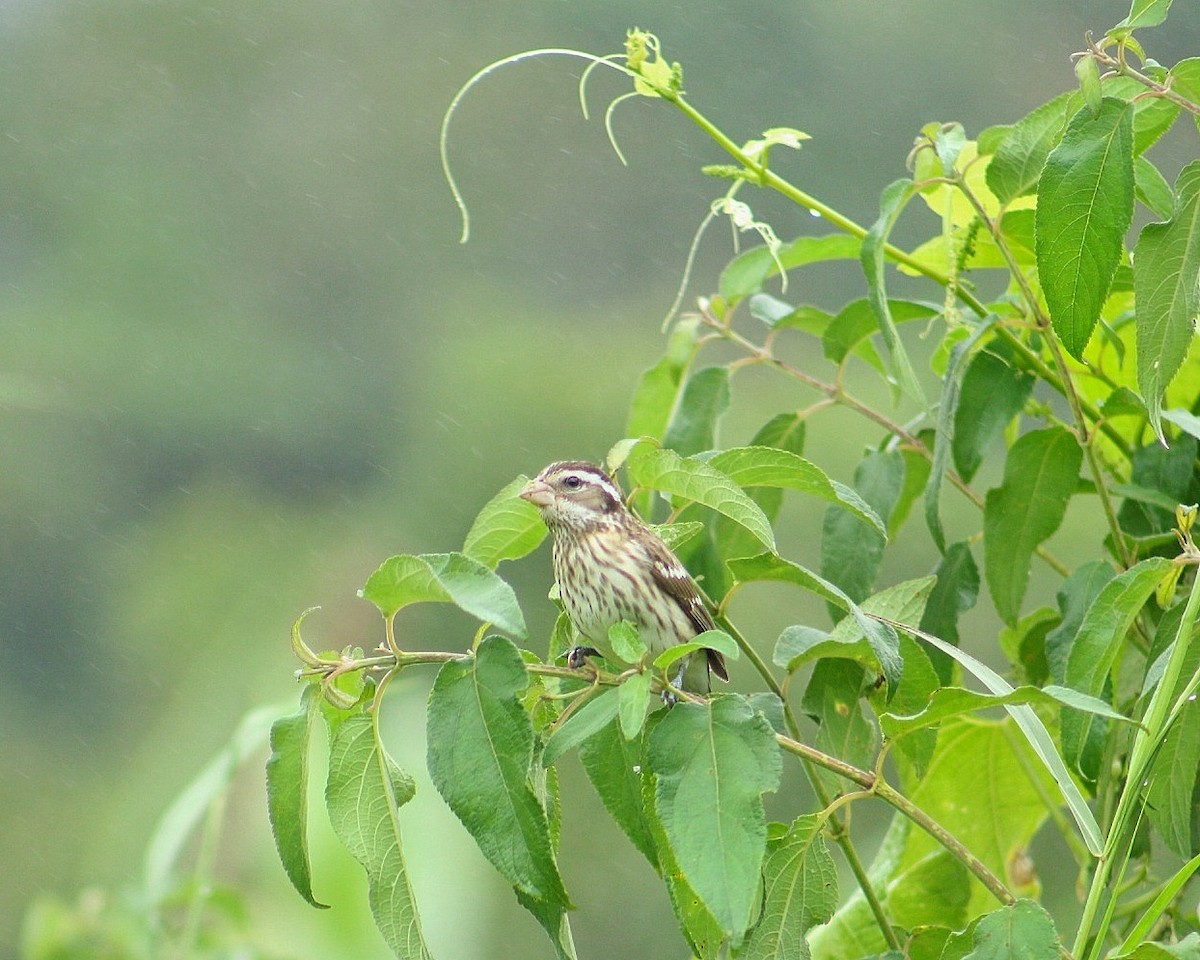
column 574, row 494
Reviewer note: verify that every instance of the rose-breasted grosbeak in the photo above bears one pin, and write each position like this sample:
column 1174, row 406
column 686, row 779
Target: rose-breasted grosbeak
column 612, row 567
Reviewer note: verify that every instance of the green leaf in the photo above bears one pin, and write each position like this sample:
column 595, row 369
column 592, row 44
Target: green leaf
column 1152, row 189
column 874, row 261
column 852, row 551
column 954, row 593
column 480, row 750
column 944, row 440
column 857, row 320
column 693, row 425
column 658, row 389
column 833, row 698
column 1017, row 164
column 1085, row 203
column 585, row 722
column 714, row 761
column 444, row 578
column 363, row 794
column 675, row 535
column 507, row 528
column 993, row 392
column 1184, row 79
column 1100, row 638
column 701, row 483
column 1144, row 13
column 1074, row 598
column 799, row 891
column 955, row 701
column 633, row 700
column 746, row 273
column 1040, row 474
column 768, row 466
column 287, row 790
column 717, row 640
column 192, row 804
column 1167, row 291
column 881, row 638
column 626, row 642
column 613, row 764
column 1022, row 929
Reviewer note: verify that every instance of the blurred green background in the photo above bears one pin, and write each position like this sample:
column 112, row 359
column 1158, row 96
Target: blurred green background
column 244, row 359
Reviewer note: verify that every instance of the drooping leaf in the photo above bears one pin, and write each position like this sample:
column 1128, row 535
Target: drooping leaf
column 614, row 765
column 1167, row 289
column 773, row 467
column 698, row 482
column 363, row 794
column 746, row 273
column 480, row 750
column 874, row 261
column 1152, row 189
column 1101, row 636
column 954, row 593
column 1074, row 598
column 714, row 761
column 833, row 698
column 445, row 578
column 881, row 638
column 287, row 791
column 658, row 389
column 857, row 320
column 586, row 721
column 799, row 891
column 693, row 424
column 1040, row 475
column 1085, row 204
column 507, row 528
column 993, row 392
column 852, row 551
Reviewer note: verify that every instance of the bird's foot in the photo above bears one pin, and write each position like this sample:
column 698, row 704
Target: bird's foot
column 577, row 656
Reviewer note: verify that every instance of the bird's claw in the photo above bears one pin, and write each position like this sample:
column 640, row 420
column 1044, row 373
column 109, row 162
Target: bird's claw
column 577, row 656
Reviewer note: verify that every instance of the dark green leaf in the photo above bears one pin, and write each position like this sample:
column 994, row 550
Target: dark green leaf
column 1074, row 598
column 714, row 761
column 1167, row 470
column 834, row 699
column 287, row 790
column 874, row 261
column 694, row 423
column 1167, row 290
column 480, row 750
column 1085, row 203
column 1023, row 929
column 445, row 578
column 363, row 795
column 857, row 320
column 916, row 479
column 613, row 764
column 1014, row 170
column 993, row 392
column 851, row 551
column 799, row 892
column 954, row 593
column 1040, row 474
column 507, row 528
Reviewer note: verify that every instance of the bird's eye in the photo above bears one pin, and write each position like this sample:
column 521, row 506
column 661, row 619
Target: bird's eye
column 572, row 482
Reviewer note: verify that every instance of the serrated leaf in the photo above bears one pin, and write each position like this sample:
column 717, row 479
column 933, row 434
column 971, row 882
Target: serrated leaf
column 1040, row 474
column 480, row 750
column 585, row 722
column 698, row 482
column 363, row 794
column 1085, row 204
column 714, row 761
column 445, row 578
column 881, row 638
column 1101, row 636
column 704, row 399
column 800, row 890
column 1018, row 161
column 768, row 466
column 507, row 528
column 874, row 262
column 287, row 791
column 1167, row 290
column 613, row 764
column 1022, row 929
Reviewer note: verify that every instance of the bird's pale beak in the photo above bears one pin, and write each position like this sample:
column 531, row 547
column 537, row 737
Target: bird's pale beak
column 537, row 492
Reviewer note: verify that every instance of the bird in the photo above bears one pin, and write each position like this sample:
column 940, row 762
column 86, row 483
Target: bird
column 610, row 566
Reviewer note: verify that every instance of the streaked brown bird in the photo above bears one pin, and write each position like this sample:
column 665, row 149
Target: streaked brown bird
column 612, row 567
